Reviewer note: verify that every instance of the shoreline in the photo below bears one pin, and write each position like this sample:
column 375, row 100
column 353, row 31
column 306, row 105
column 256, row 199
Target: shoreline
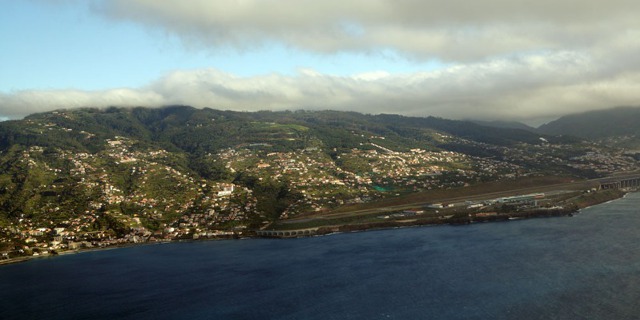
column 361, row 227
column 115, row 247
column 76, row 251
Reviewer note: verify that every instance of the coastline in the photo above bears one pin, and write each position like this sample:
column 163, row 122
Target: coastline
column 114, row 247
column 76, row 251
column 361, row 227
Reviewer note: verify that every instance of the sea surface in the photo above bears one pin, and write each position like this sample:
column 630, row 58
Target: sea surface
column 581, row 267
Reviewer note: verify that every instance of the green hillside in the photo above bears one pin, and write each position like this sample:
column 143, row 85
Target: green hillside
column 175, row 172
column 598, row 124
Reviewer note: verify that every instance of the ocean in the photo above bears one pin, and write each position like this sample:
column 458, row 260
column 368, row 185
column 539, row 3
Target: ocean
column 581, row 267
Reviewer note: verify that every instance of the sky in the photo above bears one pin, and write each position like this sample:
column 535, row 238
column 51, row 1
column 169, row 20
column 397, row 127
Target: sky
column 529, row 61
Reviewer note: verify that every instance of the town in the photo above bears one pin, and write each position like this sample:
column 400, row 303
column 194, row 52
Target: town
column 199, row 209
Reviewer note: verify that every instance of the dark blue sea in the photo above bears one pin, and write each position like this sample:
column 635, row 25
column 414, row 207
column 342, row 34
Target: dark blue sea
column 581, row 267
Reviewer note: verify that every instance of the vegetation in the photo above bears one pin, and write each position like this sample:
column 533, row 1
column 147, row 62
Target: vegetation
column 121, row 168
column 622, row 121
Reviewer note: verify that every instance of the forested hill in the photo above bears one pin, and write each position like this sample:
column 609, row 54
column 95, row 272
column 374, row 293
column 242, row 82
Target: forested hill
column 208, row 130
column 177, row 170
column 600, row 124
column 505, row 124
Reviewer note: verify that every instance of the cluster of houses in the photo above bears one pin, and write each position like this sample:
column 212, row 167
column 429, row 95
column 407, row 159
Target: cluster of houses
column 196, row 208
column 603, row 162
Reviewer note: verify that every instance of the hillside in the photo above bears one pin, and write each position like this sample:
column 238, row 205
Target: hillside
column 121, row 174
column 505, row 124
column 600, row 124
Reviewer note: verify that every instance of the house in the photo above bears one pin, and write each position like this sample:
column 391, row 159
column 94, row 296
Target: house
column 227, row 190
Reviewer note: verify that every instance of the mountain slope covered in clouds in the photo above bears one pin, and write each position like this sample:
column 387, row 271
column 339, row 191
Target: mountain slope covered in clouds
column 601, row 124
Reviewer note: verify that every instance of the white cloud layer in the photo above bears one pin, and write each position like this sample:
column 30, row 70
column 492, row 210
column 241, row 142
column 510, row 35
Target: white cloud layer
column 452, row 30
column 530, row 89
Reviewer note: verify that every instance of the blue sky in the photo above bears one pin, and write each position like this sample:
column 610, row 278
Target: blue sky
column 69, row 47
column 490, row 59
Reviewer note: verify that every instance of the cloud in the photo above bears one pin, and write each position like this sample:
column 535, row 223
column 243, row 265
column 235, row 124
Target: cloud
column 451, row 31
column 527, row 88
column 519, row 60
column 21, row 103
